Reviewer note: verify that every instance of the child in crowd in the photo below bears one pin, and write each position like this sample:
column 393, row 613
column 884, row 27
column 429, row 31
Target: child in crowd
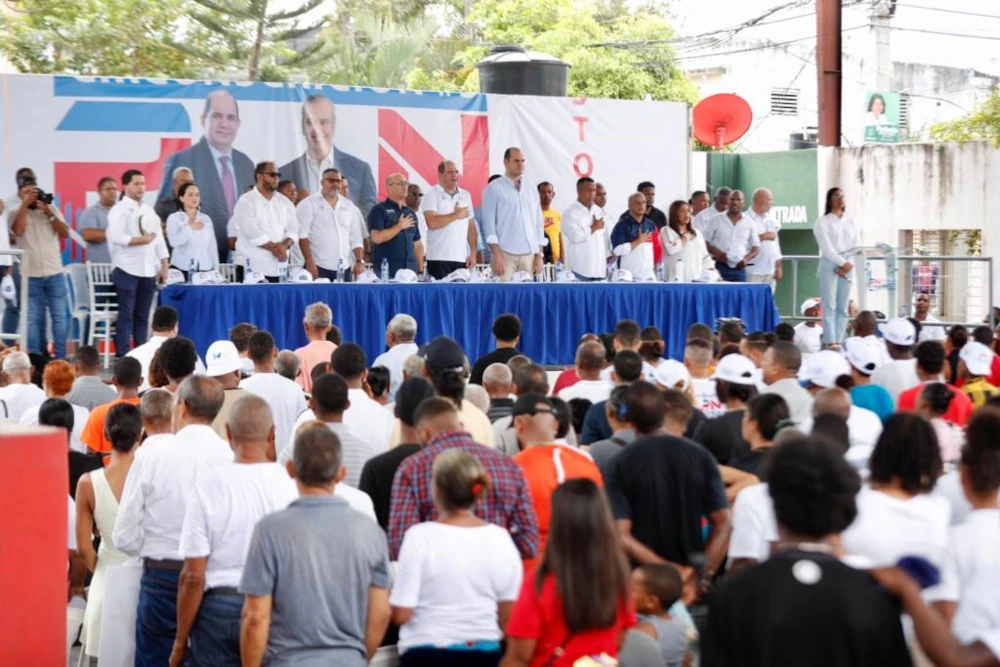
column 657, row 589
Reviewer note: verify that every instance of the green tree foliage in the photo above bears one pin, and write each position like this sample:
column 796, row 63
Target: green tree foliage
column 109, row 37
column 614, row 52
column 256, row 37
column 983, row 124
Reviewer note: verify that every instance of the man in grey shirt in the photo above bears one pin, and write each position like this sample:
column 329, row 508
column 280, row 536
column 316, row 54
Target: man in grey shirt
column 780, row 370
column 89, row 390
column 94, row 221
column 316, row 577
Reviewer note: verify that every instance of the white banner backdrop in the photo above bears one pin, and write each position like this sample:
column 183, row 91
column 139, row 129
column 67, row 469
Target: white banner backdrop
column 74, row 130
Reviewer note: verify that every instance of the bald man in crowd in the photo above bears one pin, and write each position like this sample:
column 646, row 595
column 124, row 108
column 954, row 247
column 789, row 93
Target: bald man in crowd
column 225, row 505
column 766, row 266
column 498, row 381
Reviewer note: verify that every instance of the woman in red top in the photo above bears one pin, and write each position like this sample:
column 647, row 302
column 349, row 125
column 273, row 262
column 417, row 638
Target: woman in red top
column 578, row 603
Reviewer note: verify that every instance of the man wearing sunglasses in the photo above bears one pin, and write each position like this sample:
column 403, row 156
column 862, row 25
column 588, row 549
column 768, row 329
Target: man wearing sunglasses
column 265, row 222
column 332, row 231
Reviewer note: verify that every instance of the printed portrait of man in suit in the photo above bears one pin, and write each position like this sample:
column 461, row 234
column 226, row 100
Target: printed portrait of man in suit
column 319, row 123
column 221, row 172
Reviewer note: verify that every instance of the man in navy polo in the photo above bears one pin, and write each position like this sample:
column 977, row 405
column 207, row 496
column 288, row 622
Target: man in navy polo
column 394, row 231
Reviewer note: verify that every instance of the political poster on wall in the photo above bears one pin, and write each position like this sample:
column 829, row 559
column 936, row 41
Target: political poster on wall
column 72, row 131
column 882, row 118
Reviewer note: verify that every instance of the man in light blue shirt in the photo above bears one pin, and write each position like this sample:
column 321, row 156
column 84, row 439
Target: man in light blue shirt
column 512, row 220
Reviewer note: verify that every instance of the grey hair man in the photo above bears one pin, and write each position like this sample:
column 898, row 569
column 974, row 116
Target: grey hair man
column 400, row 337
column 498, row 380
column 19, row 394
column 287, row 364
column 317, row 323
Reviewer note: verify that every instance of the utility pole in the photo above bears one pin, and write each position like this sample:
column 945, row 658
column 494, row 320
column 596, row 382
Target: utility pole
column 828, row 66
column 882, row 12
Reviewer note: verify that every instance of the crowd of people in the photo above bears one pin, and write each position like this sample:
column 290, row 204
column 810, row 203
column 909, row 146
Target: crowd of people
column 747, row 505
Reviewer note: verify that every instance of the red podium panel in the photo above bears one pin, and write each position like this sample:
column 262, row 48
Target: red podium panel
column 34, row 485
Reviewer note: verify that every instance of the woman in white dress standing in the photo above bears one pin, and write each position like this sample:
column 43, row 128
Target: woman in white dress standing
column 97, row 496
column 191, row 234
column 683, row 246
column 836, row 234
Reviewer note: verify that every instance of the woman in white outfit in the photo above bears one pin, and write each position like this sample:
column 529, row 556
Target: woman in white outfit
column 97, row 496
column 191, row 234
column 836, row 235
column 683, row 245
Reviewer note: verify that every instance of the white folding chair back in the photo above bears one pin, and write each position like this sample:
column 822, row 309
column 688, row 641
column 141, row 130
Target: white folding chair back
column 103, row 306
column 385, row 656
column 79, row 300
column 228, row 272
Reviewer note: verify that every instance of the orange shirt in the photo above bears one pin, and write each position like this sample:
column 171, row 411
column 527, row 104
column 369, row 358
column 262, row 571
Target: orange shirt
column 311, row 355
column 93, row 432
column 545, row 467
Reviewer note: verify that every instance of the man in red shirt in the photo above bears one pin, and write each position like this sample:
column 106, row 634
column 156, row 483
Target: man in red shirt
column 546, row 465
column 930, row 358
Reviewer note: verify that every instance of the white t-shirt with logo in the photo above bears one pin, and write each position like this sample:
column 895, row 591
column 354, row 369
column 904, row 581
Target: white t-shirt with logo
column 706, row 398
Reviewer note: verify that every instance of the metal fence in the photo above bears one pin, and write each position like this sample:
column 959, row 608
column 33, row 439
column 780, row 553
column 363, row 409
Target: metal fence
column 887, row 280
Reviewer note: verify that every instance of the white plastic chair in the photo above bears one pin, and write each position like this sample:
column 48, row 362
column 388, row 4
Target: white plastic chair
column 228, row 272
column 79, row 300
column 103, row 306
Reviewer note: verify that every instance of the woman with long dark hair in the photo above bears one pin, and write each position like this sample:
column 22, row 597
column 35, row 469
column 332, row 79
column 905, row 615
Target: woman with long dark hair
column 685, row 255
column 578, row 602
column 897, row 515
column 836, row 235
column 191, row 234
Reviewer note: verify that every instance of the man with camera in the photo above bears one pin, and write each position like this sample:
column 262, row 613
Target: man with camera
column 38, row 227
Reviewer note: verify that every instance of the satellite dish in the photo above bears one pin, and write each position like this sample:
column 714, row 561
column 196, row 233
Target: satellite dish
column 721, row 119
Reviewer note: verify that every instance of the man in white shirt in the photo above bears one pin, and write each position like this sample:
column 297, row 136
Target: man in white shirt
column 400, row 336
column 779, row 369
column 451, row 229
column 266, row 224
column 165, row 326
column 922, row 314
column 154, row 503
column 284, row 396
column 331, row 232
column 901, row 373
column 139, row 256
column 589, row 364
column 364, row 417
column 328, row 403
column 766, row 267
column 20, row 394
column 809, row 334
column 584, row 236
column 702, row 221
column 732, row 241
column 698, row 361
column 974, row 544
column 820, row 375
column 627, row 336
column 225, row 505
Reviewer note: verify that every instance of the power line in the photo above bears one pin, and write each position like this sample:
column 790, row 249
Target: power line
column 946, row 34
column 948, row 11
column 763, row 47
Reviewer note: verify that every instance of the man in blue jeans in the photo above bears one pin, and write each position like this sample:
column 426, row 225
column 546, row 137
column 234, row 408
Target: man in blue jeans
column 38, row 227
column 732, row 241
column 139, row 255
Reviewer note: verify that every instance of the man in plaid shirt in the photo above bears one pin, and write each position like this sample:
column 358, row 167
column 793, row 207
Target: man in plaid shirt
column 506, row 504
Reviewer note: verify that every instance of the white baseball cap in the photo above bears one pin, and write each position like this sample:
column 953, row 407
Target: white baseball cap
column 622, row 276
column 222, row 358
column 367, row 277
column 977, row 357
column 672, row 375
column 865, row 355
column 300, row 275
column 174, row 276
column 737, row 369
column 823, row 368
column 810, row 303
column 458, row 276
column 207, row 278
column 405, row 276
column 899, row 331
column 253, row 278
column 522, row 277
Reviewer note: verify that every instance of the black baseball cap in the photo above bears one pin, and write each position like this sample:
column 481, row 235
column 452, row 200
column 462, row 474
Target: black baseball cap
column 527, row 404
column 444, row 353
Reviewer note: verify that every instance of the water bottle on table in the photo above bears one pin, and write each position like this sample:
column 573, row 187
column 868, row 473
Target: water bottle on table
column 559, row 271
column 192, row 269
column 283, row 271
column 679, row 271
column 385, row 270
column 340, row 270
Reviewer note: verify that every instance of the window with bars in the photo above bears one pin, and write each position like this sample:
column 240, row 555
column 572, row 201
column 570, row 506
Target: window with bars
column 785, row 101
column 904, row 112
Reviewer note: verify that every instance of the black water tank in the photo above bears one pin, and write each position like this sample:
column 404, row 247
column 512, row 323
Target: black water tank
column 512, row 70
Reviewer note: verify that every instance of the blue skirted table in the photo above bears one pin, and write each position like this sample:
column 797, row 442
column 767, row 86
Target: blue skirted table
column 554, row 315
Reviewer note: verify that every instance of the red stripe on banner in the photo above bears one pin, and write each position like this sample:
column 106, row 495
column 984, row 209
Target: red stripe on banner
column 387, row 166
column 475, row 155
column 409, row 144
column 73, row 180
